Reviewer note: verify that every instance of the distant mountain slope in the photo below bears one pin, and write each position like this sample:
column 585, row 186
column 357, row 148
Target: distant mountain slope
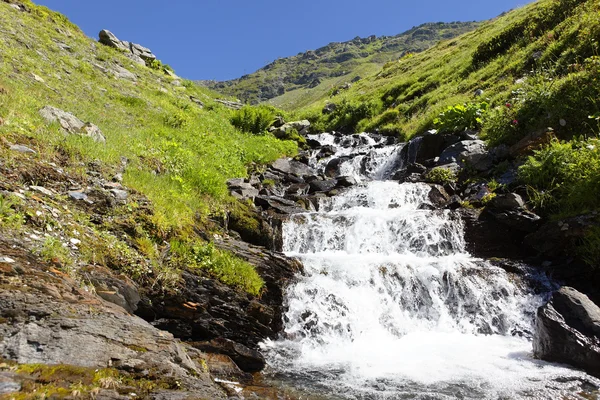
column 336, row 63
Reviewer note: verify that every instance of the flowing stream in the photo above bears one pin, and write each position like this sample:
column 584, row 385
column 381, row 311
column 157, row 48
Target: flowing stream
column 391, row 305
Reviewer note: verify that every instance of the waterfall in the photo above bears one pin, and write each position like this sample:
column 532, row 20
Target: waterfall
column 392, row 306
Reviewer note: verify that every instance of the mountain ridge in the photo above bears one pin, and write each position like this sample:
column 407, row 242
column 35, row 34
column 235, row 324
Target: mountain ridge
column 346, row 61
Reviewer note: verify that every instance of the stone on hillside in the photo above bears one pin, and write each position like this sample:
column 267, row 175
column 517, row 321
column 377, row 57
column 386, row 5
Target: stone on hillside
column 567, row 330
column 71, row 124
column 472, row 153
column 108, row 38
column 22, row 149
column 281, row 132
column 234, row 105
column 241, row 189
column 329, row 108
column 197, row 101
column 136, row 52
column 124, row 73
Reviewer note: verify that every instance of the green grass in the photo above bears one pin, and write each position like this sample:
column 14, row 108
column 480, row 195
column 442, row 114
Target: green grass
column 546, row 67
column 178, row 154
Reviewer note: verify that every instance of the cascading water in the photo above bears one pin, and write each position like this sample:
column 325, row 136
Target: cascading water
column 391, row 305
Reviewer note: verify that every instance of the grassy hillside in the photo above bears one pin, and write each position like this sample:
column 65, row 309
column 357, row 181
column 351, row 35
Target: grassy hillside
column 531, row 73
column 293, row 82
column 173, row 152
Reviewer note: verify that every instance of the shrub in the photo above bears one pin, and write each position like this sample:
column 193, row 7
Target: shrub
column 441, row 176
column 254, row 120
column 461, row 117
column 564, row 177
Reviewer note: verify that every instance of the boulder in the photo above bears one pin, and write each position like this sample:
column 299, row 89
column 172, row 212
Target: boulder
column 510, row 201
column 567, row 330
column 291, row 167
column 71, row 124
column 241, row 189
column 282, row 132
column 472, row 153
column 278, row 204
column 346, row 181
column 322, row 186
column 137, row 51
column 438, row 195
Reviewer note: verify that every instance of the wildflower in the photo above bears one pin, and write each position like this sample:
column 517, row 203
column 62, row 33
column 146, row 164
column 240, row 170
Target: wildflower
column 508, row 105
column 515, row 122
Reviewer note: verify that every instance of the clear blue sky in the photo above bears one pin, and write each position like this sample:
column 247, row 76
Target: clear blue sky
column 225, row 39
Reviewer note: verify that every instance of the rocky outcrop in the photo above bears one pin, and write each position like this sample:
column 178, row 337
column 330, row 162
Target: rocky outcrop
column 136, row 52
column 71, row 124
column 567, row 330
column 47, row 318
column 203, row 309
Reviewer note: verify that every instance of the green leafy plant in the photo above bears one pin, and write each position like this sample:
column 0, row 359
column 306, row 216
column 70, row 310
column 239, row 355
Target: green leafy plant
column 254, row 120
column 460, row 117
column 441, row 176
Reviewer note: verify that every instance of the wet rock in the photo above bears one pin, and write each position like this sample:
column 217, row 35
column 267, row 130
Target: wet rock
column 322, row 186
column 346, row 181
column 332, row 169
column 438, row 195
column 278, row 204
column 326, row 151
column 297, row 189
column 567, row 330
column 246, row 359
column 291, row 167
column 71, row 124
column 22, row 149
column 471, row 153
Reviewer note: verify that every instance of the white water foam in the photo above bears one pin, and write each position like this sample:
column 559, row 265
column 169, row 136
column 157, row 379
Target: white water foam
column 391, row 306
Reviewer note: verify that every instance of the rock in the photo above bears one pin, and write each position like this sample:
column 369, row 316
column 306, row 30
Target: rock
column 345, row 181
column 119, row 290
column 291, row 167
column 332, row 169
column 77, row 195
column 107, row 38
column 204, row 309
column 282, row 132
column 567, row 330
column 326, row 151
column 519, row 220
column 428, row 146
column 56, row 322
column 478, row 92
column 247, row 359
column 241, row 189
column 42, row 190
column 329, row 108
column 71, row 124
column 22, row 149
column 135, row 51
column 278, row 204
column 531, row 142
column 510, row 201
column 472, row 153
column 120, row 194
column 8, row 384
column 124, row 73
column 234, row 105
column 297, row 189
column 438, row 195
column 558, row 238
column 197, row 101
column 322, row 186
